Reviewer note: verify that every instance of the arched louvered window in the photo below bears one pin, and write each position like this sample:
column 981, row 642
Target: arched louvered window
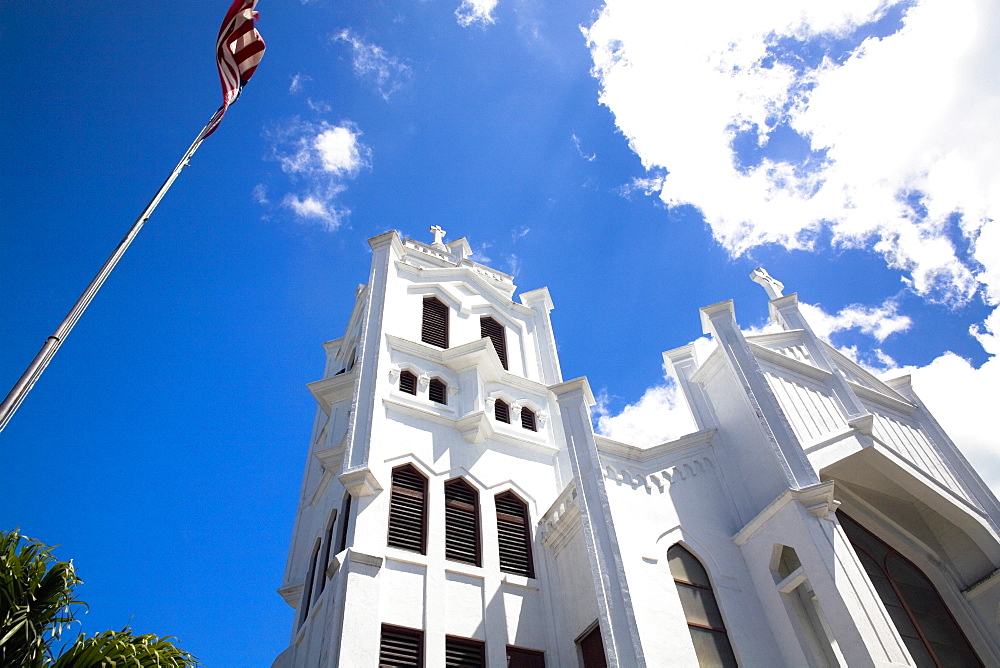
column 401, row 648
column 708, row 633
column 501, row 411
column 514, row 535
column 464, row 653
column 528, row 419
column 438, row 391
column 408, row 510
column 434, row 329
column 407, row 382
column 931, row 634
column 461, row 522
column 488, row 327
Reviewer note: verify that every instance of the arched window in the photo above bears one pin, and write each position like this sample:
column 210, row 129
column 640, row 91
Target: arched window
column 708, row 633
column 528, row 419
column 307, row 589
column 438, row 391
column 345, row 522
column 461, row 522
column 921, row 617
column 407, row 382
column 434, row 328
column 501, row 411
column 327, row 550
column 514, row 535
column 408, row 510
column 490, row 328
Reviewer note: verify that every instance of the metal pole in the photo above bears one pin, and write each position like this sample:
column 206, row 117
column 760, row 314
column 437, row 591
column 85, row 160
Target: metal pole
column 51, row 345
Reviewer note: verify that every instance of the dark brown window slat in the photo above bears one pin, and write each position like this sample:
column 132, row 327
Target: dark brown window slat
column 464, row 653
column 407, row 382
column 434, row 328
column 461, row 522
column 401, row 648
column 528, row 419
column 513, row 535
column 438, row 391
column 518, row 657
column 501, row 411
column 488, row 327
column 408, row 510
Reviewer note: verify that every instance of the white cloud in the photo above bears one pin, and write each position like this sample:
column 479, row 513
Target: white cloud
column 589, row 157
column 371, row 62
column 963, row 398
column 318, row 158
column 880, row 322
column 476, row 11
column 660, row 415
column 905, row 144
column 298, row 81
column 260, row 194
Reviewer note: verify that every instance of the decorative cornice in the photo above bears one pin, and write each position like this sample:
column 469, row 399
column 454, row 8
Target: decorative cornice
column 636, row 454
column 360, row 482
column 817, row 499
column 333, row 390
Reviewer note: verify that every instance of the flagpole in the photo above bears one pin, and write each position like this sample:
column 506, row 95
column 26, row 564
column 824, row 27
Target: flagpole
column 51, row 345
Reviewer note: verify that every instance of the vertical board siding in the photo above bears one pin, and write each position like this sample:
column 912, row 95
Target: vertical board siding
column 812, row 413
column 912, row 444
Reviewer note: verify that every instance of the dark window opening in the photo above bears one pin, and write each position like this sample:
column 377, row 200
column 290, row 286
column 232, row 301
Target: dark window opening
column 528, row 419
column 592, row 649
column 514, row 535
column 327, row 549
column 923, row 620
column 518, row 657
column 408, row 510
column 490, row 328
column 407, row 382
column 401, row 648
column 461, row 522
column 434, row 328
column 464, row 653
column 307, row 590
column 345, row 523
column 438, row 391
column 501, row 411
column 708, row 633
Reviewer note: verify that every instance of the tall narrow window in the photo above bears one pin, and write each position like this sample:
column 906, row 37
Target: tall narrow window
column 408, row 510
column 711, row 642
column 501, row 411
column 513, row 535
column 307, row 590
column 407, row 382
column 488, row 327
column 518, row 657
column 461, row 522
column 921, row 617
column 401, row 648
column 345, row 522
column 528, row 419
column 327, row 549
column 438, row 391
column 464, row 653
column 434, row 329
column 592, row 649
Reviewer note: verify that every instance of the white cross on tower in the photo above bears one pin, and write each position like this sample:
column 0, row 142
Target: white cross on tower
column 771, row 285
column 438, row 235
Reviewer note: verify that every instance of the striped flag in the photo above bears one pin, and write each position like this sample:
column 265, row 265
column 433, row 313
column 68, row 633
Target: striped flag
column 238, row 52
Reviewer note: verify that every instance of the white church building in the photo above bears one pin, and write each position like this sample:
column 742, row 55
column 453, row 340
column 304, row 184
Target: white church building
column 458, row 510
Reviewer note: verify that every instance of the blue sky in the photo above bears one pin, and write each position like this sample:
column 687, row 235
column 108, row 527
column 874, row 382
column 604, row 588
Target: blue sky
column 639, row 159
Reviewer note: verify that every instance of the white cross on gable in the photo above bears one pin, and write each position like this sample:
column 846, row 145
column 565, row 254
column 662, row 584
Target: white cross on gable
column 438, row 235
column 771, row 285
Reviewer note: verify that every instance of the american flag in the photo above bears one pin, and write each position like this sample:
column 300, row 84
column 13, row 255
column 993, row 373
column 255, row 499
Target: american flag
column 238, row 51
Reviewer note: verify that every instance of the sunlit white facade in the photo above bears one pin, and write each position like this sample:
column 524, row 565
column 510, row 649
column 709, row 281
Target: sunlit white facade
column 458, row 509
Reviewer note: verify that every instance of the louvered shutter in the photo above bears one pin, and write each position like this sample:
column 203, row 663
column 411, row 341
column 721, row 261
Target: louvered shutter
column 592, row 649
column 528, row 419
column 407, row 382
column 434, row 329
column 461, row 522
column 464, row 653
column 408, row 510
column 437, row 392
column 513, row 535
column 501, row 411
column 401, row 648
column 518, row 657
column 488, row 327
